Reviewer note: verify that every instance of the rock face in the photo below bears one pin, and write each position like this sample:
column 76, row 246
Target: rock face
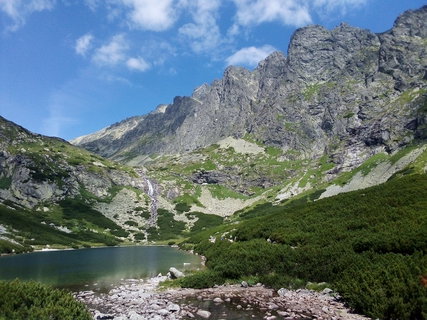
column 347, row 92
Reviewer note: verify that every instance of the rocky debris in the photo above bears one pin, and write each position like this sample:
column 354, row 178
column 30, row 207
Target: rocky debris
column 222, row 207
column 378, row 174
column 132, row 300
column 233, row 179
column 240, row 146
column 123, row 207
column 140, row 299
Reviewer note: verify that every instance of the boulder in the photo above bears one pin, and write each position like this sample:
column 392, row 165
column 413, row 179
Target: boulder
column 282, row 292
column 175, row 273
column 203, row 313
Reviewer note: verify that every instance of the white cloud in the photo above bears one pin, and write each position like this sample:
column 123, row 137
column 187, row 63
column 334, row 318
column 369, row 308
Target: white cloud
column 330, row 6
column 137, row 64
column 289, row 12
column 83, row 44
column 250, row 56
column 154, row 15
column 113, row 52
column 158, row 51
column 203, row 33
column 19, row 10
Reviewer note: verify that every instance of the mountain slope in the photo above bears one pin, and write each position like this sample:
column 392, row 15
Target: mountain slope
column 54, row 193
column 347, row 93
column 369, row 245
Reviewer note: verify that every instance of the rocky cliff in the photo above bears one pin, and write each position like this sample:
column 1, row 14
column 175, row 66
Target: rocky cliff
column 346, row 93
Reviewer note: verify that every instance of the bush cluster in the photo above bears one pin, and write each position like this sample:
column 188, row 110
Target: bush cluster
column 370, row 245
column 34, row 301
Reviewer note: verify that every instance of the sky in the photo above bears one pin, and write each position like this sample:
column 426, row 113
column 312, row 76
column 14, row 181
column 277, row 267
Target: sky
column 71, row 67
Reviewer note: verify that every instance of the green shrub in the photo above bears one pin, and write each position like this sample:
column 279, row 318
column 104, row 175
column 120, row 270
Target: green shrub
column 202, row 279
column 131, row 223
column 182, row 207
column 10, row 247
column 168, row 228
column 34, row 228
column 139, row 236
column 34, row 301
column 386, row 286
column 204, row 221
column 369, row 244
column 5, row 182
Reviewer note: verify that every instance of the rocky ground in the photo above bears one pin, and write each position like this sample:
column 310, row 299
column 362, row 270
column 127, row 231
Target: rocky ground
column 141, row 300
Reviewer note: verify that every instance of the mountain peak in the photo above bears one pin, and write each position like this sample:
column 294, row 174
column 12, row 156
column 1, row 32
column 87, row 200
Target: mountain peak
column 345, row 92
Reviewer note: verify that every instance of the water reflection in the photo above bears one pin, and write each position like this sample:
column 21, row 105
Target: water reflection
column 98, row 267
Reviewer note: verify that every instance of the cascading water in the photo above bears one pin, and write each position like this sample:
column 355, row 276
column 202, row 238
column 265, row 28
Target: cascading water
column 151, row 190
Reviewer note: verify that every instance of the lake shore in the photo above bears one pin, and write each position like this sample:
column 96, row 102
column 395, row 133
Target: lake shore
column 143, row 300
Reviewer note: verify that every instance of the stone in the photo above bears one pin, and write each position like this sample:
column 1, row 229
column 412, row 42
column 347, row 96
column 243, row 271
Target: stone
column 203, row 313
column 101, row 316
column 175, row 273
column 218, row 300
column 282, row 292
column 327, row 291
column 162, row 312
column 174, row 307
column 244, row 284
column 133, row 315
column 273, row 306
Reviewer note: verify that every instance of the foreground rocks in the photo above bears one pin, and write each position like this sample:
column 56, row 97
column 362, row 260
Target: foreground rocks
column 141, row 300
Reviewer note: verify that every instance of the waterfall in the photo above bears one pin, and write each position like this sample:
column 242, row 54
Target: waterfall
column 151, row 190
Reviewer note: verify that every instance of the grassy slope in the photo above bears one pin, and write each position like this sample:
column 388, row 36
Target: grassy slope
column 52, row 160
column 266, row 166
column 370, row 245
column 32, row 228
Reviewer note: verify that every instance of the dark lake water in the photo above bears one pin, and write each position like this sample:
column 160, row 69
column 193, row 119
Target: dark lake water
column 95, row 268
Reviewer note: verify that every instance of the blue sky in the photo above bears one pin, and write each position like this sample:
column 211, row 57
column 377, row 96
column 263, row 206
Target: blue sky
column 72, row 67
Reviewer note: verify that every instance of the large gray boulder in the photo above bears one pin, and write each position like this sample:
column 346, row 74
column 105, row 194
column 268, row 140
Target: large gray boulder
column 175, row 273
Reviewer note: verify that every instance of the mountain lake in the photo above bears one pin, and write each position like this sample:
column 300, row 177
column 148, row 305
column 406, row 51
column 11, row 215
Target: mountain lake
column 96, row 269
